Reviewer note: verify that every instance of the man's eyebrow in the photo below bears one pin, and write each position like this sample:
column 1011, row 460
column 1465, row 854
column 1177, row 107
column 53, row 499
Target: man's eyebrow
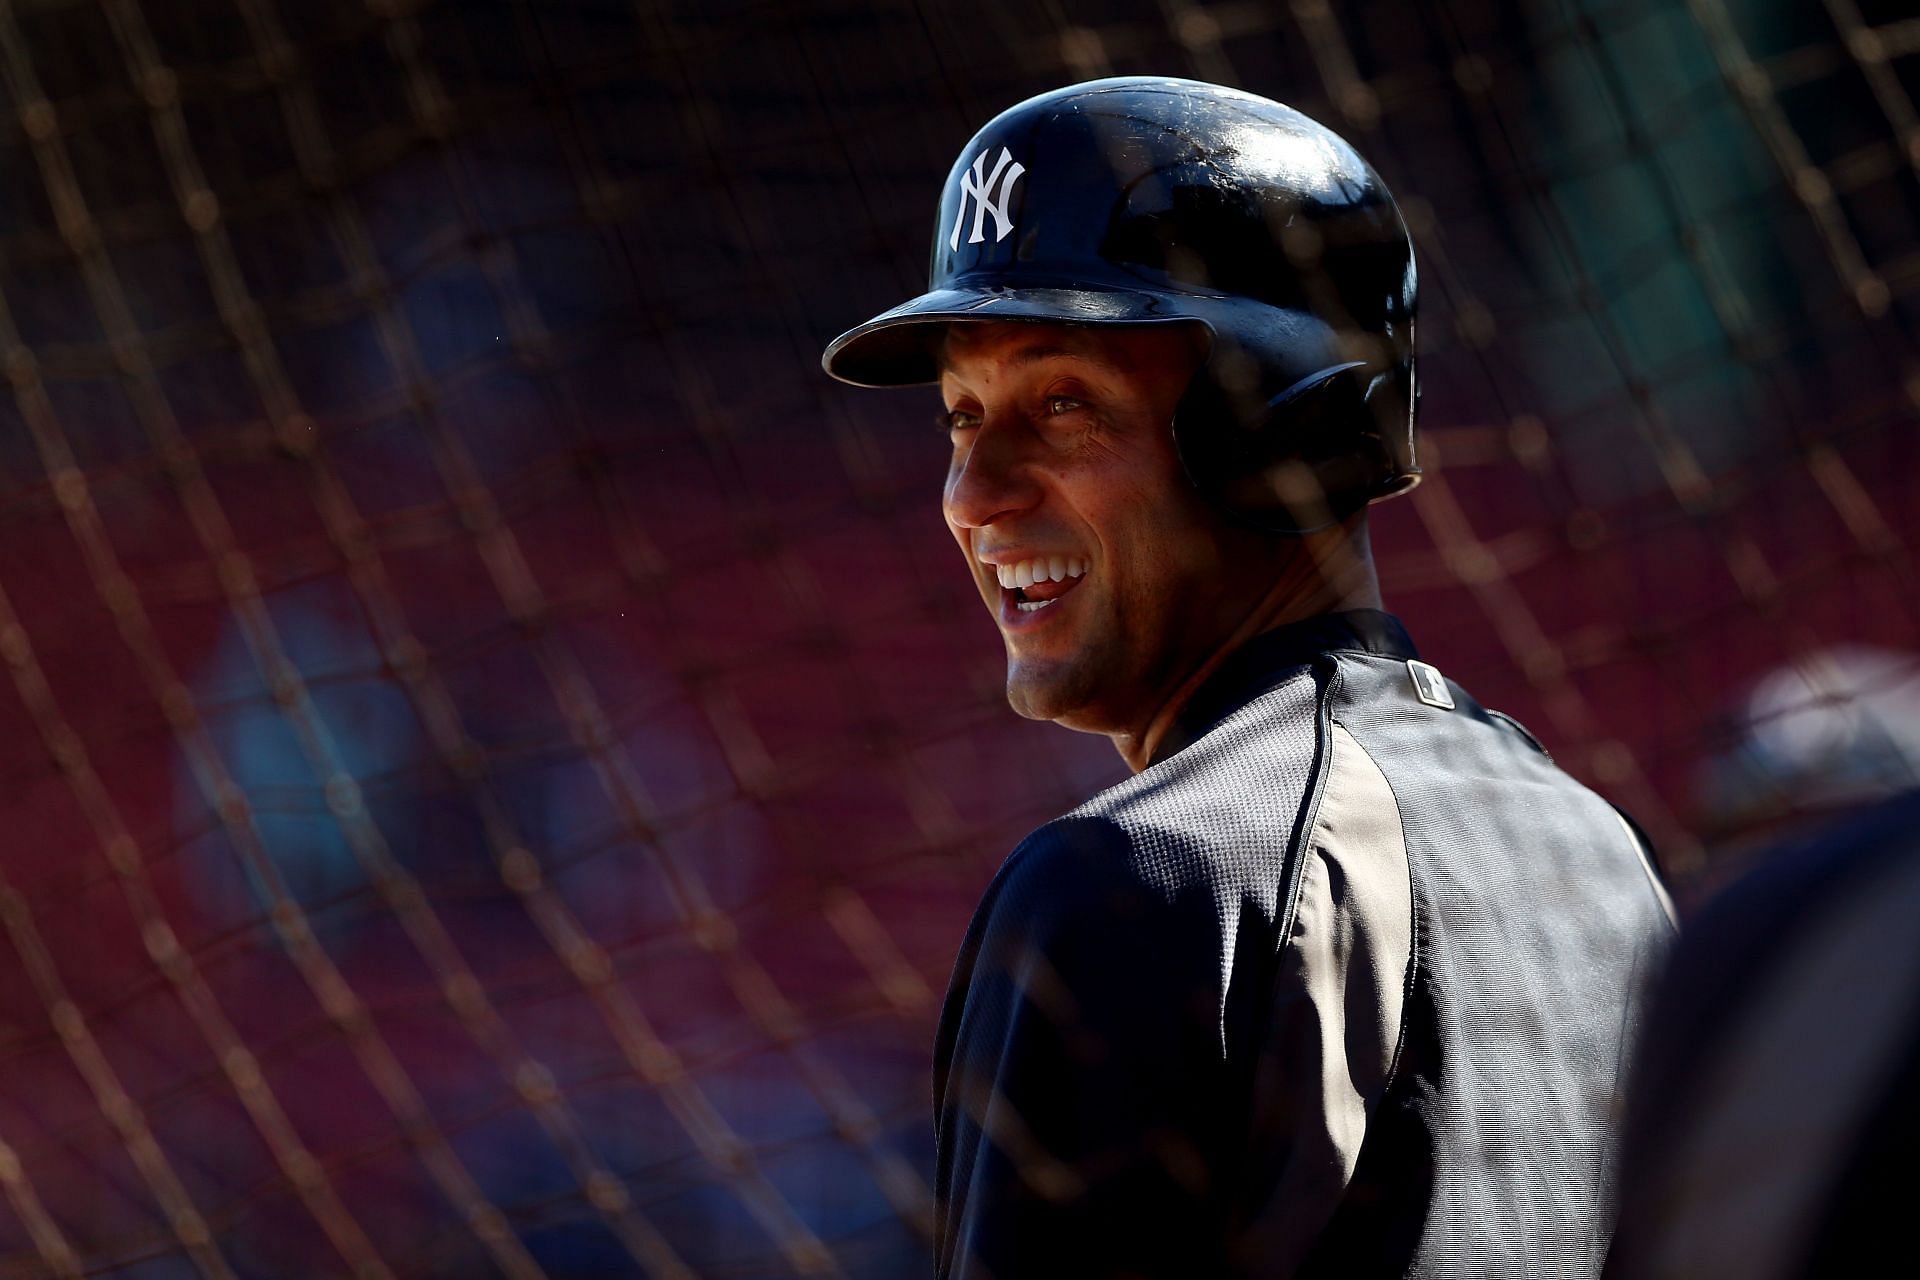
column 1037, row 352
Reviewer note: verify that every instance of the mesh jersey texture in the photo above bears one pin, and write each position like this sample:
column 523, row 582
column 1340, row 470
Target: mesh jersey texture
column 1131, row 1076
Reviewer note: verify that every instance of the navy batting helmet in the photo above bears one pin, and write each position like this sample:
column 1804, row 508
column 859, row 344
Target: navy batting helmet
column 1144, row 200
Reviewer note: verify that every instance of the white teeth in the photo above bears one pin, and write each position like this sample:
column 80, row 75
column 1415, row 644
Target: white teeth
column 1031, row 606
column 1012, row 577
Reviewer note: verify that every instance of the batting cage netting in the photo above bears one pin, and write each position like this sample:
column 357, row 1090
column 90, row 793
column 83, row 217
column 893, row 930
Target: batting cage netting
column 499, row 751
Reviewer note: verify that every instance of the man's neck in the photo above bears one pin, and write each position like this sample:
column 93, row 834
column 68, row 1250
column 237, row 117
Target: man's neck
column 1333, row 573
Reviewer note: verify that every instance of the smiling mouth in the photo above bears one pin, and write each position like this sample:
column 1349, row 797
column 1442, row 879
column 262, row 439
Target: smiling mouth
column 1038, row 582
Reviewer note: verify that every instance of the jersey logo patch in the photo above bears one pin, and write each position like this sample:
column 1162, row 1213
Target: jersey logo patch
column 979, row 184
column 1429, row 685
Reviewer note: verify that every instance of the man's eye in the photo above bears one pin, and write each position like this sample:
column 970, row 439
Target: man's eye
column 1057, row 405
column 953, row 420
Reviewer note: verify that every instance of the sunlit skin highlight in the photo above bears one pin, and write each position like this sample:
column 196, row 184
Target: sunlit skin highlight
column 1062, row 446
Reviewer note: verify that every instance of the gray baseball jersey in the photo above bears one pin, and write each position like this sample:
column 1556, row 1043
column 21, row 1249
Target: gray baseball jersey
column 1342, row 984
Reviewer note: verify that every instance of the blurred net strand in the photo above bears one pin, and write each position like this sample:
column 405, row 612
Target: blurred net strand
column 1685, row 478
column 753, row 986
column 48, row 1241
column 1830, row 472
column 60, row 467
column 1750, row 85
column 1476, row 565
column 67, row 752
column 121, row 855
column 66, row 749
column 1872, row 51
column 859, row 459
column 747, row 757
column 1759, row 582
column 843, row 907
column 587, row 961
column 802, row 590
column 1868, row 286
column 893, row 975
column 123, row 1113
column 397, row 887
column 121, row 597
column 518, row 867
column 753, row 769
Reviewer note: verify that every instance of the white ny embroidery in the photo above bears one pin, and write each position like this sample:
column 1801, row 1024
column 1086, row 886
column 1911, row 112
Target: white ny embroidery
column 979, row 184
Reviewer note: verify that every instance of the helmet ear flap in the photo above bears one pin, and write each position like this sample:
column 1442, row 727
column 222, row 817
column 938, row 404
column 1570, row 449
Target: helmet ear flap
column 1291, row 464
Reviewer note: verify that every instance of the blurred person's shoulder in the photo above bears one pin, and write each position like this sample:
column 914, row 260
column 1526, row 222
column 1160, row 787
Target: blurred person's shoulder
column 1821, row 881
column 1788, row 1026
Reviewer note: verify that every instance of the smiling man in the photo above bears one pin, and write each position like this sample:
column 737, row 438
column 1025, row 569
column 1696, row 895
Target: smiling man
column 1084, row 503
column 1340, row 981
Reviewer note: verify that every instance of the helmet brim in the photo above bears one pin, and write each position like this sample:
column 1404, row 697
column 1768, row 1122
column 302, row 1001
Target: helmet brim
column 900, row 347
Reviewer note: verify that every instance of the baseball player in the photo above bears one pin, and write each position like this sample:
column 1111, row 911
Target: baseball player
column 1339, row 982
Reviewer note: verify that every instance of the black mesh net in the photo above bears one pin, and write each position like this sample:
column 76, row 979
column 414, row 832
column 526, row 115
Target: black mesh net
column 498, row 750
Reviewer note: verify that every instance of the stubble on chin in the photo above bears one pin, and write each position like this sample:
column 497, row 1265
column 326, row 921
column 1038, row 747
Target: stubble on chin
column 1068, row 691
column 1028, row 694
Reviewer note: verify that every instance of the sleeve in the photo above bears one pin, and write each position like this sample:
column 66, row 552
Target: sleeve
column 1082, row 1098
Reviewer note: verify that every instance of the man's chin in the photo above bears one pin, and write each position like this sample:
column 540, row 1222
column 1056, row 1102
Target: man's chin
column 1064, row 693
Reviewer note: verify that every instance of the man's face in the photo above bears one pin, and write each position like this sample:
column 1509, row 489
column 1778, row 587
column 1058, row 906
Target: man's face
column 1110, row 579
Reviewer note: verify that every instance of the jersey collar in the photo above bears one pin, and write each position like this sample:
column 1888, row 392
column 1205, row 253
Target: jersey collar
column 1268, row 658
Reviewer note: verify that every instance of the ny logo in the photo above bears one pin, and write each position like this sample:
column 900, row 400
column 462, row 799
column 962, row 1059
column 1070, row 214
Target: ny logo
column 979, row 184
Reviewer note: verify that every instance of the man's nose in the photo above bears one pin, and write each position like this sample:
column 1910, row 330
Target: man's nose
column 993, row 476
